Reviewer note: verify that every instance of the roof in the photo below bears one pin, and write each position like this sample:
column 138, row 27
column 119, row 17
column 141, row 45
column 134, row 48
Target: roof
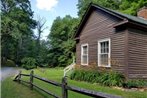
column 133, row 18
column 129, row 18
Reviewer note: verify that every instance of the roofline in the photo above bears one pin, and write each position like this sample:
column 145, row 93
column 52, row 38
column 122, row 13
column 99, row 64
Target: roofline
column 87, row 12
column 115, row 14
column 107, row 10
column 92, row 5
column 83, row 18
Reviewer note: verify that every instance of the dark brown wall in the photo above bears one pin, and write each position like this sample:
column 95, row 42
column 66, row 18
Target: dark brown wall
column 100, row 26
column 137, row 62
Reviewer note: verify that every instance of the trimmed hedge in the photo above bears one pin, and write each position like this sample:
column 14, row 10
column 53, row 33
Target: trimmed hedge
column 105, row 78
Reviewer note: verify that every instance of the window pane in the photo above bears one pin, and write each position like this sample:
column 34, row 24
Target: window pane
column 104, row 47
column 107, row 47
column 107, row 50
column 103, row 59
column 101, row 50
column 84, row 59
column 85, row 50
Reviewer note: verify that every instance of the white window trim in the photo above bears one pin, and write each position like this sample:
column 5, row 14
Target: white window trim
column 82, row 54
column 109, row 54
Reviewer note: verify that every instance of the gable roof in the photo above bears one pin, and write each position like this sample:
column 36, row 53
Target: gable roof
column 133, row 18
column 129, row 18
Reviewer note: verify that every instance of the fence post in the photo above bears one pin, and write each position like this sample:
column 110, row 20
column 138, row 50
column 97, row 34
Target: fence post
column 64, row 90
column 19, row 76
column 31, row 79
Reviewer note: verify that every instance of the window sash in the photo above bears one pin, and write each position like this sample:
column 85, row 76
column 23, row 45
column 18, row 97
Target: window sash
column 104, row 53
column 84, row 54
column 104, row 47
column 84, row 59
column 85, row 50
column 104, row 59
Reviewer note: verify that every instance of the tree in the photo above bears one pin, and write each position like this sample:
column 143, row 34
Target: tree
column 17, row 24
column 42, row 59
column 125, row 6
column 83, row 4
column 132, row 6
column 40, row 28
column 61, row 41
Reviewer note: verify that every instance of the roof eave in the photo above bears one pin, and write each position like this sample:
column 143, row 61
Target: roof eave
column 83, row 19
column 90, row 7
column 121, row 23
column 131, row 23
column 144, row 27
column 124, row 19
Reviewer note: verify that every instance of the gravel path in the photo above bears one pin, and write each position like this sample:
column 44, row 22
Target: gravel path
column 7, row 72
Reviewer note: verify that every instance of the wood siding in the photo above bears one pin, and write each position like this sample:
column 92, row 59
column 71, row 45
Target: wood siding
column 100, row 26
column 137, row 62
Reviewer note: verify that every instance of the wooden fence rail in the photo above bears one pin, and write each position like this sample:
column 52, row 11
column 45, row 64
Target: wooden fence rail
column 64, row 85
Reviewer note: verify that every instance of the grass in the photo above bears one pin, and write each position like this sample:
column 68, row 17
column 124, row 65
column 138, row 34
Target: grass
column 12, row 88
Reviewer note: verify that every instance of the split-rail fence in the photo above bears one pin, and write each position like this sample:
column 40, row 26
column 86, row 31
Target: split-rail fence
column 64, row 85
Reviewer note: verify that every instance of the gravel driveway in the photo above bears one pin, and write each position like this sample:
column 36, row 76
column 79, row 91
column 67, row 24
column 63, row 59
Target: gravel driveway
column 7, row 72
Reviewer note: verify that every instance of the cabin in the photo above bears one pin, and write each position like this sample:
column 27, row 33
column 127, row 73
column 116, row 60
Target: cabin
column 114, row 41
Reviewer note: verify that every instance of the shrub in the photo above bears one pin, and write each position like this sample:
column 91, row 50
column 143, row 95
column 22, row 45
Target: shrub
column 136, row 83
column 105, row 78
column 28, row 63
column 9, row 63
column 84, row 75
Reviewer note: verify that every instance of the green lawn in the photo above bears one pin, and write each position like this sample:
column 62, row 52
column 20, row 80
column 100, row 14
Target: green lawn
column 12, row 89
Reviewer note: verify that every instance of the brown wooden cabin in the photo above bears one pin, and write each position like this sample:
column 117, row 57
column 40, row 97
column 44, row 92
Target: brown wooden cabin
column 113, row 41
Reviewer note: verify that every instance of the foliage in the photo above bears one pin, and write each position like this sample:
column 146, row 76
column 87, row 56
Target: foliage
column 41, row 45
column 105, row 78
column 8, row 63
column 136, row 83
column 41, row 57
column 126, row 6
column 28, row 63
column 112, row 79
column 61, row 41
column 132, row 6
column 17, row 24
column 18, row 39
column 85, row 75
column 83, row 4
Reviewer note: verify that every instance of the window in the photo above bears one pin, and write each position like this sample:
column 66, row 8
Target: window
column 104, row 53
column 84, row 54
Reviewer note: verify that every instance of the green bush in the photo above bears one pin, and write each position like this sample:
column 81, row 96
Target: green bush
column 112, row 79
column 105, row 78
column 84, row 75
column 136, row 83
column 28, row 63
column 8, row 63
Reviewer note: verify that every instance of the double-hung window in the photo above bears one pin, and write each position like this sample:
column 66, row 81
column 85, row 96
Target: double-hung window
column 84, row 54
column 104, row 53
